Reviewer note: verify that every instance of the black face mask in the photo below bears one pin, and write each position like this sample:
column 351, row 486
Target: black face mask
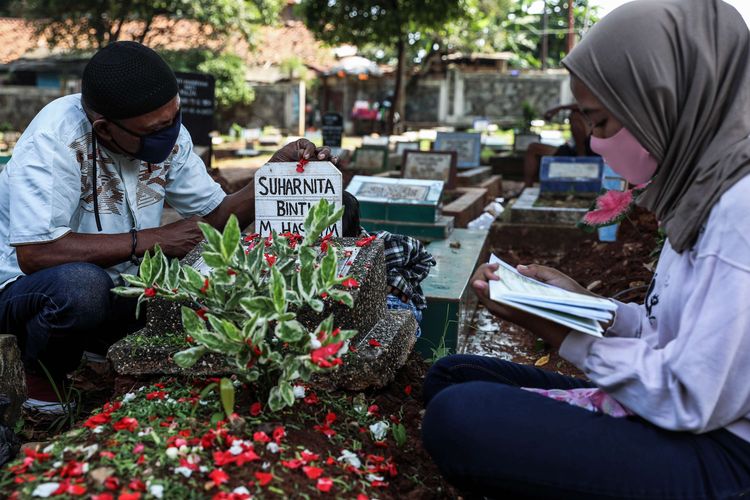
column 153, row 149
column 156, row 146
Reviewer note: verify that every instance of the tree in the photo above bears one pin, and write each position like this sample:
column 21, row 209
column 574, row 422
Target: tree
column 524, row 30
column 227, row 68
column 85, row 24
column 390, row 24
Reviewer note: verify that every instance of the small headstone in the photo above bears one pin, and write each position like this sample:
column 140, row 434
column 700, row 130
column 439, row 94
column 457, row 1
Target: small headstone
column 197, row 102
column 12, row 379
column 370, row 159
column 467, row 145
column 571, row 174
column 430, row 165
column 332, row 129
column 373, row 140
column 407, row 146
column 481, row 124
column 283, row 196
column 521, row 142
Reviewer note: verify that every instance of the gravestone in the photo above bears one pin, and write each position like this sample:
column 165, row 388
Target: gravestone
column 404, row 206
column 370, row 159
column 332, row 129
column 372, row 140
column 12, row 379
column 402, row 146
column 430, row 165
column 147, row 353
column 570, row 174
column 521, row 142
column 197, row 101
column 283, row 196
column 467, row 145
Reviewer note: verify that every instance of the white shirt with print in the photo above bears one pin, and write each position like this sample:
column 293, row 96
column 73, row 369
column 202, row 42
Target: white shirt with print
column 46, row 188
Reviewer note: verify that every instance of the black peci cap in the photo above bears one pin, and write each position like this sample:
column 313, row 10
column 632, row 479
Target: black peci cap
column 127, row 79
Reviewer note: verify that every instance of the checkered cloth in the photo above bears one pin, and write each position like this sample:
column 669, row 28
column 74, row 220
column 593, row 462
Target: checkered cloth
column 408, row 264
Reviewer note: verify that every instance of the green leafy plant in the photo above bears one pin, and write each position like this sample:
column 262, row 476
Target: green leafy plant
column 246, row 308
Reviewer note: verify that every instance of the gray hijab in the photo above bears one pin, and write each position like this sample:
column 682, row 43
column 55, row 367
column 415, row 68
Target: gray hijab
column 676, row 73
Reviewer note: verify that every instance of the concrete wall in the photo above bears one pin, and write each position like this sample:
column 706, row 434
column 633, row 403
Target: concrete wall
column 19, row 105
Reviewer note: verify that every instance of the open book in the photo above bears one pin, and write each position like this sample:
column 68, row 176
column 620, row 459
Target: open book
column 574, row 310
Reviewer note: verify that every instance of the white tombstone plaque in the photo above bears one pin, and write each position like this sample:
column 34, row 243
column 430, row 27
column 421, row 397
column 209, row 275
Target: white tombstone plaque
column 283, row 196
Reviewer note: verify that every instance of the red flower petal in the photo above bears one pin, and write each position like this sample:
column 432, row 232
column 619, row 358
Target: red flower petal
column 350, row 283
column 261, row 437
column 126, row 423
column 292, row 464
column 218, row 476
column 366, row 241
column 149, row 292
column 312, row 472
column 324, row 484
column 407, row 390
column 374, row 343
column 270, row 259
column 263, row 478
column 255, row 409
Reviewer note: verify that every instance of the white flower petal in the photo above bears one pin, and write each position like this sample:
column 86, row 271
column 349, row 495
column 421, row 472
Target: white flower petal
column 241, row 490
column 272, row 447
column 379, row 430
column 157, row 490
column 299, row 391
column 127, row 398
column 45, row 489
column 184, row 471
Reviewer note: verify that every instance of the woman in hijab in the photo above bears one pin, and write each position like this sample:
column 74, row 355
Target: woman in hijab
column 666, row 411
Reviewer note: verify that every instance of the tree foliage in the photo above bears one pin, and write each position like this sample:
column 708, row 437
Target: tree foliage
column 392, row 25
column 228, row 69
column 95, row 23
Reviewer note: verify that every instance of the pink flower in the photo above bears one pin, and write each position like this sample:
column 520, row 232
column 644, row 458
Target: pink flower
column 609, row 207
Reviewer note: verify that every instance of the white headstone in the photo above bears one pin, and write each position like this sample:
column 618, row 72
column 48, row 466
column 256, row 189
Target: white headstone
column 433, row 165
column 283, row 196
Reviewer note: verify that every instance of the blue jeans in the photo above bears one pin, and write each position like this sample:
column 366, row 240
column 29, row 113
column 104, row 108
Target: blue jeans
column 58, row 312
column 493, row 439
column 393, row 302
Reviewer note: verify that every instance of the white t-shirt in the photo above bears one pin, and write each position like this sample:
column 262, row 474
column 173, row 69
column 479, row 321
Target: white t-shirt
column 46, row 188
column 680, row 360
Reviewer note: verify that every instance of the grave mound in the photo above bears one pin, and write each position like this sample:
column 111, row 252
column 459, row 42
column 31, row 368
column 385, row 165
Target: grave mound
column 149, row 351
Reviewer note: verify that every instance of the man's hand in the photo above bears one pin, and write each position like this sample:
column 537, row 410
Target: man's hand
column 303, row 149
column 175, row 239
column 551, row 332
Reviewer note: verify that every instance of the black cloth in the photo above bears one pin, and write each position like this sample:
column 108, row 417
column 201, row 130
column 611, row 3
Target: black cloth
column 127, row 79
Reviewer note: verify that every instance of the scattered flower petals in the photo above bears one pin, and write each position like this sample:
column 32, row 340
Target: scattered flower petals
column 312, row 472
column 263, row 478
column 324, row 484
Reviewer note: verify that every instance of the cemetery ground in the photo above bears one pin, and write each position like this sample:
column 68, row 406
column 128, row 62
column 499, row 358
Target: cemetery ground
column 169, row 438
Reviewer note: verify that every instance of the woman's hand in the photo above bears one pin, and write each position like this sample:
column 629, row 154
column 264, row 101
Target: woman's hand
column 553, row 277
column 553, row 333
